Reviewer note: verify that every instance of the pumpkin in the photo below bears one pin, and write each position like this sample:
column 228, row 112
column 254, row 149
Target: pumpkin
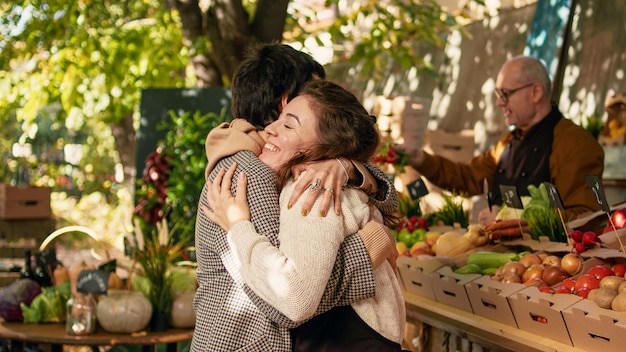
column 182, row 314
column 122, row 311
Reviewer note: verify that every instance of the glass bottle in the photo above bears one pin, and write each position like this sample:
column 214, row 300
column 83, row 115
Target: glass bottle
column 81, row 314
column 27, row 270
column 42, row 276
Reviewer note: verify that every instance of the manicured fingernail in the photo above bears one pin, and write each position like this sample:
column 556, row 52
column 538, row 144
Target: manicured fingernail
column 338, row 212
column 322, row 213
column 305, row 212
column 289, row 206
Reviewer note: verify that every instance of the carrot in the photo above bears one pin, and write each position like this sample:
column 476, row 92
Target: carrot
column 505, row 224
column 511, row 231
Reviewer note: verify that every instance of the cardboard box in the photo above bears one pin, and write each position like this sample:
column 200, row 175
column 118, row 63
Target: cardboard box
column 454, row 146
column 449, row 288
column 24, row 202
column 614, row 239
column 528, row 243
column 415, row 275
column 541, row 313
column 489, row 299
column 592, row 328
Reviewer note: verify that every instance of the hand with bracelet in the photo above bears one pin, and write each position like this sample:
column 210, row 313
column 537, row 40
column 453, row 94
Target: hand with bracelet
column 334, row 174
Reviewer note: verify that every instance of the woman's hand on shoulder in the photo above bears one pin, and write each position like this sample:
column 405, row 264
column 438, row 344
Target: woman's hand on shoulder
column 325, row 179
column 224, row 209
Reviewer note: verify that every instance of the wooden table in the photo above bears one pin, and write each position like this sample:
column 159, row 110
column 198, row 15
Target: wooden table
column 489, row 334
column 54, row 335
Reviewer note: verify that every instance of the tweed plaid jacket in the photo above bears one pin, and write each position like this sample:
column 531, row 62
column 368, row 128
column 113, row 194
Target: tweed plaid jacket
column 229, row 316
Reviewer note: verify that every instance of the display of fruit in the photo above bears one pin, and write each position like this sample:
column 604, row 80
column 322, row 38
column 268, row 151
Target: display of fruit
column 410, row 230
column 581, row 241
column 424, row 243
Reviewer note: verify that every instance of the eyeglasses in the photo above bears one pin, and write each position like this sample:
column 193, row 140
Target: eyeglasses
column 504, row 95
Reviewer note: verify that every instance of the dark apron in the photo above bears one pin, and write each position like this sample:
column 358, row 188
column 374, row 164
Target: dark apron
column 526, row 160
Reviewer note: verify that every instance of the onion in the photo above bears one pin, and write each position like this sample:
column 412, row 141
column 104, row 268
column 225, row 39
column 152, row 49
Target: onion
column 530, row 259
column 554, row 274
column 572, row 263
column 552, row 260
column 533, row 272
column 536, row 281
column 513, row 267
column 511, row 278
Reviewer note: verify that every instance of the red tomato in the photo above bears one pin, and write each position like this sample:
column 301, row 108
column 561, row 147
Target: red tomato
column 569, row 283
column 618, row 217
column 619, row 269
column 600, row 271
column 583, row 292
column 546, row 289
column 562, row 289
column 587, row 281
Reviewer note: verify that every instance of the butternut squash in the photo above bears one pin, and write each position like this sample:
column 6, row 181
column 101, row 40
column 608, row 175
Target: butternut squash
column 452, row 244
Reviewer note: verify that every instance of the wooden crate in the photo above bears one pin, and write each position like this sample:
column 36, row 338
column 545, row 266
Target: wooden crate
column 24, row 202
column 15, row 237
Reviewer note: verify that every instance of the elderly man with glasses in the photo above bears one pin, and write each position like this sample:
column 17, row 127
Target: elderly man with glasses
column 539, row 146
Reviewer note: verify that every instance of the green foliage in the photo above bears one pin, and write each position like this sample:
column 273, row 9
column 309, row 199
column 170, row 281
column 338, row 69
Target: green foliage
column 408, row 207
column 383, row 34
column 543, row 220
column 593, row 124
column 89, row 60
column 49, row 305
column 450, row 213
column 185, row 151
column 176, row 195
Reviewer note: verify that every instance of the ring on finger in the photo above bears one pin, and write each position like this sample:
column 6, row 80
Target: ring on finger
column 316, row 184
column 330, row 190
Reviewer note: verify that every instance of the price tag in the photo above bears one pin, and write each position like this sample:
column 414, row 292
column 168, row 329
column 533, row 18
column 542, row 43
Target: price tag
column 487, row 194
column 594, row 182
column 417, row 189
column 553, row 196
column 510, row 197
column 109, row 266
column 93, row 281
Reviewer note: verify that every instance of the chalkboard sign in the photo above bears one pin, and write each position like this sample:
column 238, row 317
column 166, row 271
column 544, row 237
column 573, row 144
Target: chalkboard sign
column 156, row 104
column 93, row 281
column 510, row 197
column 417, row 189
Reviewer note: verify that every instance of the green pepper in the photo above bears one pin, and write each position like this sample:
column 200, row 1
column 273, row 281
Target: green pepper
column 469, row 269
column 489, row 271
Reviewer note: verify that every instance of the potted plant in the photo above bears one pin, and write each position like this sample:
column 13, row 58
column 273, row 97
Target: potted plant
column 156, row 255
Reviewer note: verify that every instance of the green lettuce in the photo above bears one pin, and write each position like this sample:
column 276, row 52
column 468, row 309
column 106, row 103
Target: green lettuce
column 49, row 305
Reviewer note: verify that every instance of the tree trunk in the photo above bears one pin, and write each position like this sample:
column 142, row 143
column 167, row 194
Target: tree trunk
column 125, row 142
column 225, row 24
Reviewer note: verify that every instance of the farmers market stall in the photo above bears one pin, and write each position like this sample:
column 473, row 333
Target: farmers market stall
column 490, row 335
column 529, row 281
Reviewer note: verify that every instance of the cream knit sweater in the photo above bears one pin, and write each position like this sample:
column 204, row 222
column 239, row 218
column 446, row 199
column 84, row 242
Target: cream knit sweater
column 292, row 277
